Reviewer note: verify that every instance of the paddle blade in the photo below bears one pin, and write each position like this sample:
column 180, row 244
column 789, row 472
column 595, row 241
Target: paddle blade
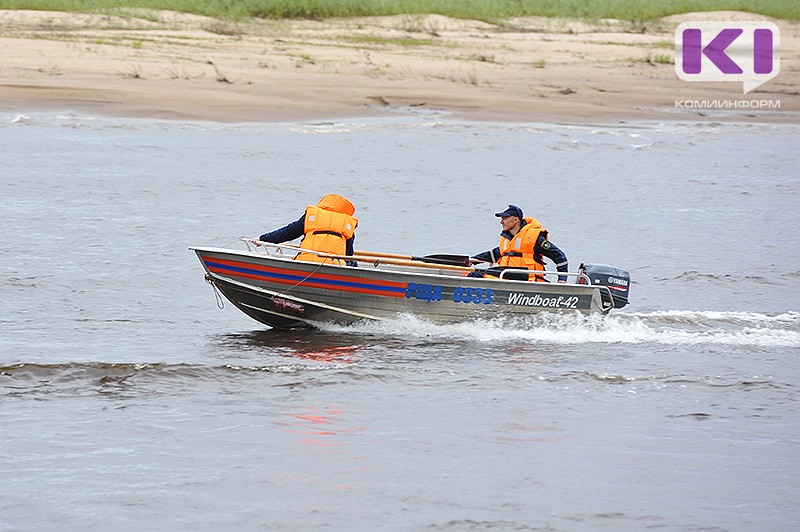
column 452, row 260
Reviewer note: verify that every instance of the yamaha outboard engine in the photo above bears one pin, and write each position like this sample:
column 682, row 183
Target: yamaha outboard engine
column 618, row 281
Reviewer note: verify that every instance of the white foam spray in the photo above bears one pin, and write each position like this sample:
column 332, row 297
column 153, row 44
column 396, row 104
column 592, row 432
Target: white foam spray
column 675, row 327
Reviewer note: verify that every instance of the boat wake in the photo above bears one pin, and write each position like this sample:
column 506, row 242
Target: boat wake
column 676, row 327
column 286, row 354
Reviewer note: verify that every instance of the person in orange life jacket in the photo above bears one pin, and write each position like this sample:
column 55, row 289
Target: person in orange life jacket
column 523, row 244
column 328, row 227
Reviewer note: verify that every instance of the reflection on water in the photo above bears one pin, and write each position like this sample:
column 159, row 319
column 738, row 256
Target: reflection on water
column 300, row 340
column 318, row 426
column 302, row 345
column 333, row 354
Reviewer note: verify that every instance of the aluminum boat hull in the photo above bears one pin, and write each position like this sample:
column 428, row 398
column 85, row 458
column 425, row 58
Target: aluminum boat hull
column 284, row 293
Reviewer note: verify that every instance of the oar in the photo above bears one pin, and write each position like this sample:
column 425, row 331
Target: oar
column 375, row 260
column 441, row 258
column 375, row 257
column 389, row 260
column 447, row 260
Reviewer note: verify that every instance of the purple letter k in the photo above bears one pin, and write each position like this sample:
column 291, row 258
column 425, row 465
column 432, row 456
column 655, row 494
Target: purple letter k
column 715, row 51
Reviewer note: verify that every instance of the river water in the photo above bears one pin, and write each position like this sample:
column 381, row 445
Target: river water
column 130, row 401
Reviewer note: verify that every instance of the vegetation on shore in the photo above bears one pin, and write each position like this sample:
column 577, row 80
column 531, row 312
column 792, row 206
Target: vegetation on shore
column 488, row 10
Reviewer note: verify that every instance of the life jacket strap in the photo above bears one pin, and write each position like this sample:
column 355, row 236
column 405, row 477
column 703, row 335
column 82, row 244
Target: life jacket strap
column 334, row 233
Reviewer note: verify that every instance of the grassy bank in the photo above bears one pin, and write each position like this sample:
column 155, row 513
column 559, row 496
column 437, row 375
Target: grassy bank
column 489, row 10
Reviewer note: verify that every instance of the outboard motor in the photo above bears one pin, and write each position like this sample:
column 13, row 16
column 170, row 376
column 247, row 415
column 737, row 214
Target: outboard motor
column 618, row 281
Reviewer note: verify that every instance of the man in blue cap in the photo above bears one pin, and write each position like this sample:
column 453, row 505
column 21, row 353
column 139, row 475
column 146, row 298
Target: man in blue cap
column 523, row 244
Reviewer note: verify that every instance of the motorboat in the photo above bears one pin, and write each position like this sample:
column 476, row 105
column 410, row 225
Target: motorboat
column 266, row 282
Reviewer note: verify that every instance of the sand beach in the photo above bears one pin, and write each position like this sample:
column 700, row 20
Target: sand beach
column 179, row 66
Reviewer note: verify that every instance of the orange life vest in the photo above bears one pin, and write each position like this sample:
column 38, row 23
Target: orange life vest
column 328, row 226
column 518, row 252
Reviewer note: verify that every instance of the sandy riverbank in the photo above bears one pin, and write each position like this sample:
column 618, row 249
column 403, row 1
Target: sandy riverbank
column 168, row 65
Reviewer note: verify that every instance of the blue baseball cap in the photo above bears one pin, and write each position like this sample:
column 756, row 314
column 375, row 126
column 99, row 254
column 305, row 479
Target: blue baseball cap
column 512, row 210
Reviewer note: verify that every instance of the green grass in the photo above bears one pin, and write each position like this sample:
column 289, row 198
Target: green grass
column 489, row 10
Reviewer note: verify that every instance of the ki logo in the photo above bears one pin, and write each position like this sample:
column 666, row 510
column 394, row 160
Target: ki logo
column 746, row 52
